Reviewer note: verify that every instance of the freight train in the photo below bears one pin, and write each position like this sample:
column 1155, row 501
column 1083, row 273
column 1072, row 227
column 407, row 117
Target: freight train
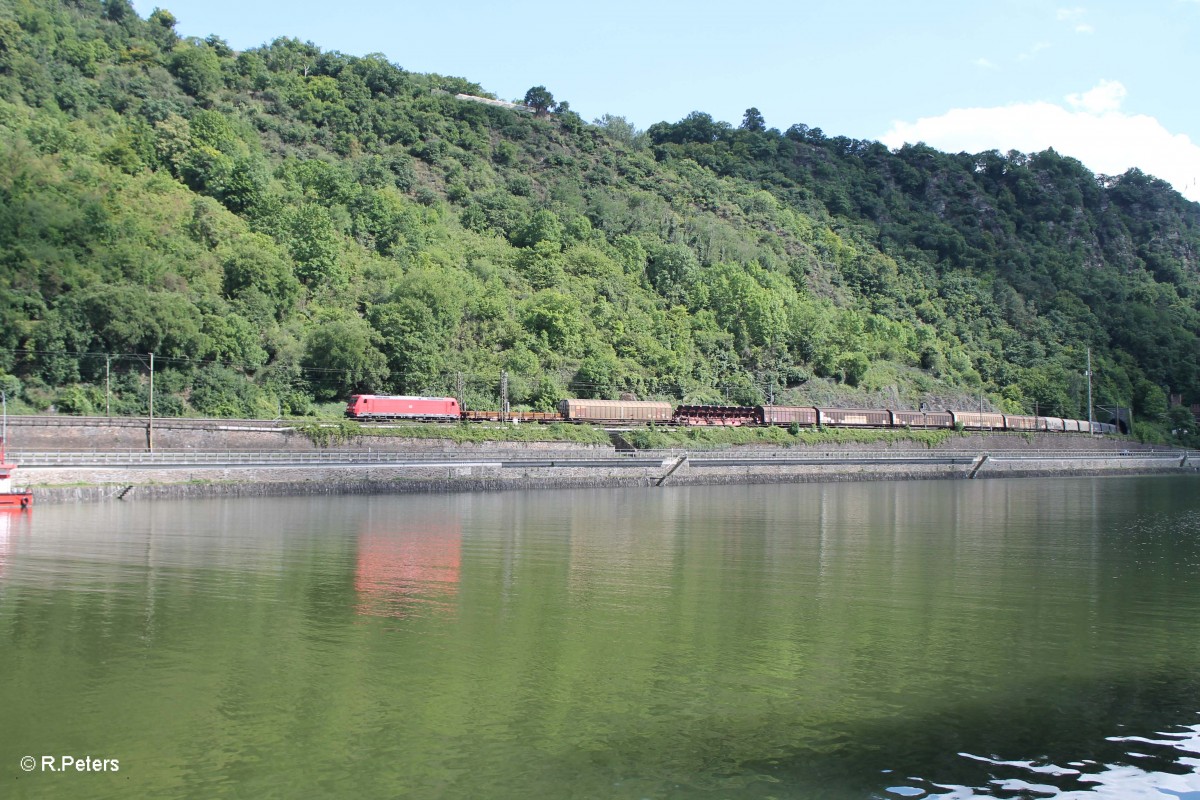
column 645, row 412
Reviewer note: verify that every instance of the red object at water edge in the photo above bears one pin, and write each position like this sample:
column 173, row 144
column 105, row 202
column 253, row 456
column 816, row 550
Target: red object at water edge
column 11, row 500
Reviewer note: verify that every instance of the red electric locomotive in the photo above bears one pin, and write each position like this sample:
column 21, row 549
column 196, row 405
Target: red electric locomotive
column 385, row 407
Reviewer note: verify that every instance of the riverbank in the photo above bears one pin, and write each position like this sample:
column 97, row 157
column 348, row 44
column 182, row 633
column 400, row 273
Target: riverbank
column 73, row 463
column 74, row 484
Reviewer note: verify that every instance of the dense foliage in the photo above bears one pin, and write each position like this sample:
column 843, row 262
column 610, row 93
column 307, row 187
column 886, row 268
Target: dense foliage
column 284, row 226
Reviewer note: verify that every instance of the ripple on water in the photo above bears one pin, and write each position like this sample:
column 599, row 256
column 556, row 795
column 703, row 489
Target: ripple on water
column 1166, row 765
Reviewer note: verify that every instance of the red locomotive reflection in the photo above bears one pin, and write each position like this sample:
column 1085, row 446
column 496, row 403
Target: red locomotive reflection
column 406, row 569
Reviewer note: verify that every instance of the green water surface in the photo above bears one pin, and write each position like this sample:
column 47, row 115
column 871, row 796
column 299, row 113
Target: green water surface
column 955, row 639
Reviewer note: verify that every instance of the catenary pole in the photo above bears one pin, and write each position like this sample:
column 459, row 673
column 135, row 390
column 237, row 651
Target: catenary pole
column 150, row 430
column 1089, row 376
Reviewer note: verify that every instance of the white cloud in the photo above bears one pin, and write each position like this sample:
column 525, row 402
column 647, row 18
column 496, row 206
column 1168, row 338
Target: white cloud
column 1075, row 16
column 1090, row 127
column 984, row 63
column 1036, row 48
column 1105, row 97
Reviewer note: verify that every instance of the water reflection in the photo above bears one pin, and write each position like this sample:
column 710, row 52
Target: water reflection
column 970, row 639
column 407, row 566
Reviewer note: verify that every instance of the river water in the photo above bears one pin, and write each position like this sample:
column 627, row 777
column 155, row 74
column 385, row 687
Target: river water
column 996, row 638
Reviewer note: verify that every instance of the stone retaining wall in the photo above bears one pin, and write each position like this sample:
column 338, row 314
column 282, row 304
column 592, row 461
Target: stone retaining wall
column 81, row 484
column 102, row 438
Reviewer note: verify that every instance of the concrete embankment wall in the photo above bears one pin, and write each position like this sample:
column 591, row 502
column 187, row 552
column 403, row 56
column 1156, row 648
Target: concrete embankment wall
column 1011, row 455
column 84, row 484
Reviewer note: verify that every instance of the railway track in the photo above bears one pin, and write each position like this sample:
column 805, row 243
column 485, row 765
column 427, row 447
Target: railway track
column 209, row 423
column 182, row 423
column 565, row 458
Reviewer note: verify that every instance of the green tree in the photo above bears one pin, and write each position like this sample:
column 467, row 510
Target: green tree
column 556, row 318
column 161, row 28
column 198, row 69
column 1149, row 400
column 134, row 319
column 315, row 246
column 253, row 268
column 341, row 357
column 218, row 391
column 852, row 367
column 543, row 226
column 753, row 121
column 618, row 128
column 385, row 219
column 674, row 272
column 1181, row 421
column 237, row 181
column 598, row 375
column 413, row 342
column 230, row 337
column 172, row 142
column 542, row 264
column 540, row 100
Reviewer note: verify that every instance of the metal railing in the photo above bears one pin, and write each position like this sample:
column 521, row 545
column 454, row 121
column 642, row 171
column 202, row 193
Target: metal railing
column 67, row 420
column 215, row 458
column 316, row 457
column 895, row 454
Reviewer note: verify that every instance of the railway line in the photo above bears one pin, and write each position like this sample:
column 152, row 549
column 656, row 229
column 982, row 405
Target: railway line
column 127, row 459
column 620, row 420
column 369, row 407
column 62, row 420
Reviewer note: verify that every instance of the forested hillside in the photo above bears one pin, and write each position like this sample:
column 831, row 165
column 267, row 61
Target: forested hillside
column 283, row 226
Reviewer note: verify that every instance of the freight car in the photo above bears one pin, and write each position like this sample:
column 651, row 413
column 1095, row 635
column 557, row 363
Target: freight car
column 728, row 416
column 1016, row 422
column 385, row 407
column 855, row 417
column 922, row 419
column 787, row 415
column 615, row 410
column 540, row 417
column 978, row 421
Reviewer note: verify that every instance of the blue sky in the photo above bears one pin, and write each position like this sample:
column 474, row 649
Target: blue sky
column 1109, row 83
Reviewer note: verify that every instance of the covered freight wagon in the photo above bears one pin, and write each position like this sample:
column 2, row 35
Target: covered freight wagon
column 923, row 419
column 383, row 407
column 1017, row 422
column 787, row 415
column 856, row 417
column 974, row 420
column 615, row 410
